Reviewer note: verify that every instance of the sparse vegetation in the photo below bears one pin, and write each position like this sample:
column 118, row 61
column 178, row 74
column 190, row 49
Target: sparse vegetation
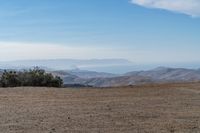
column 33, row 77
column 157, row 108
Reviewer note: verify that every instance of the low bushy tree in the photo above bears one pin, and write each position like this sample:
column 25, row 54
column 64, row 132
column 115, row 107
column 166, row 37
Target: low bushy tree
column 9, row 79
column 33, row 77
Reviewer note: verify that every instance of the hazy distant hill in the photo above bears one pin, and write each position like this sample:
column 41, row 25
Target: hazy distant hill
column 163, row 74
column 80, row 76
column 98, row 79
column 118, row 81
column 64, row 64
column 83, row 73
column 158, row 75
column 90, row 74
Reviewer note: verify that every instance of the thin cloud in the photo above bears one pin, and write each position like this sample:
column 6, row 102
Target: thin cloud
column 26, row 51
column 188, row 7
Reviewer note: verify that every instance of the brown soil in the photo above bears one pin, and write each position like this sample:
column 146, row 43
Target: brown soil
column 167, row 108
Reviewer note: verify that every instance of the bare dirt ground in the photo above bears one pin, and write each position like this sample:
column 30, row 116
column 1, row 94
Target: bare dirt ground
column 165, row 108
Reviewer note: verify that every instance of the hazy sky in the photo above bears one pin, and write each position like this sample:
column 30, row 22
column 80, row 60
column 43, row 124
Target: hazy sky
column 142, row 31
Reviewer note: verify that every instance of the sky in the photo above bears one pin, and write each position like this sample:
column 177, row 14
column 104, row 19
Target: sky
column 142, row 31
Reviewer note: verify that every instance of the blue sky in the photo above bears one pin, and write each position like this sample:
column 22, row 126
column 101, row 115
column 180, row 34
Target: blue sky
column 143, row 31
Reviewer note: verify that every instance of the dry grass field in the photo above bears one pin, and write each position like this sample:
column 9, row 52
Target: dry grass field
column 167, row 108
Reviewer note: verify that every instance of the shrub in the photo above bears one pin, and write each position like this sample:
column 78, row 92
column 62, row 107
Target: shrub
column 33, row 77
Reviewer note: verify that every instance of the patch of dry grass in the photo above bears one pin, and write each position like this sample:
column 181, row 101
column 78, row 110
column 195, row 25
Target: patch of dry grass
column 160, row 108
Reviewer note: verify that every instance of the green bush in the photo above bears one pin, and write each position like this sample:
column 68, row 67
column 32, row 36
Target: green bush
column 33, row 77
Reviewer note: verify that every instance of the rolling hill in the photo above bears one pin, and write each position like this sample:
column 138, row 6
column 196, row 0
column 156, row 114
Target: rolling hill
column 101, row 79
column 158, row 75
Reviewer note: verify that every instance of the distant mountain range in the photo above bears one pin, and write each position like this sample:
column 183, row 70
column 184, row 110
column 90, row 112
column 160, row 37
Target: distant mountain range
column 107, row 65
column 65, row 63
column 116, row 66
column 72, row 72
column 158, row 75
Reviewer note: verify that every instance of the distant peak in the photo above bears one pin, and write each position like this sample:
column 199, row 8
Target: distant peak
column 161, row 68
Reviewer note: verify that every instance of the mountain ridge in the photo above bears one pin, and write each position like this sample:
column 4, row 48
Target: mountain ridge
column 101, row 79
column 157, row 75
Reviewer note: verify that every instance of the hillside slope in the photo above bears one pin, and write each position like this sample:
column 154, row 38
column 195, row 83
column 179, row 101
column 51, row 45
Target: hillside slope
column 158, row 75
